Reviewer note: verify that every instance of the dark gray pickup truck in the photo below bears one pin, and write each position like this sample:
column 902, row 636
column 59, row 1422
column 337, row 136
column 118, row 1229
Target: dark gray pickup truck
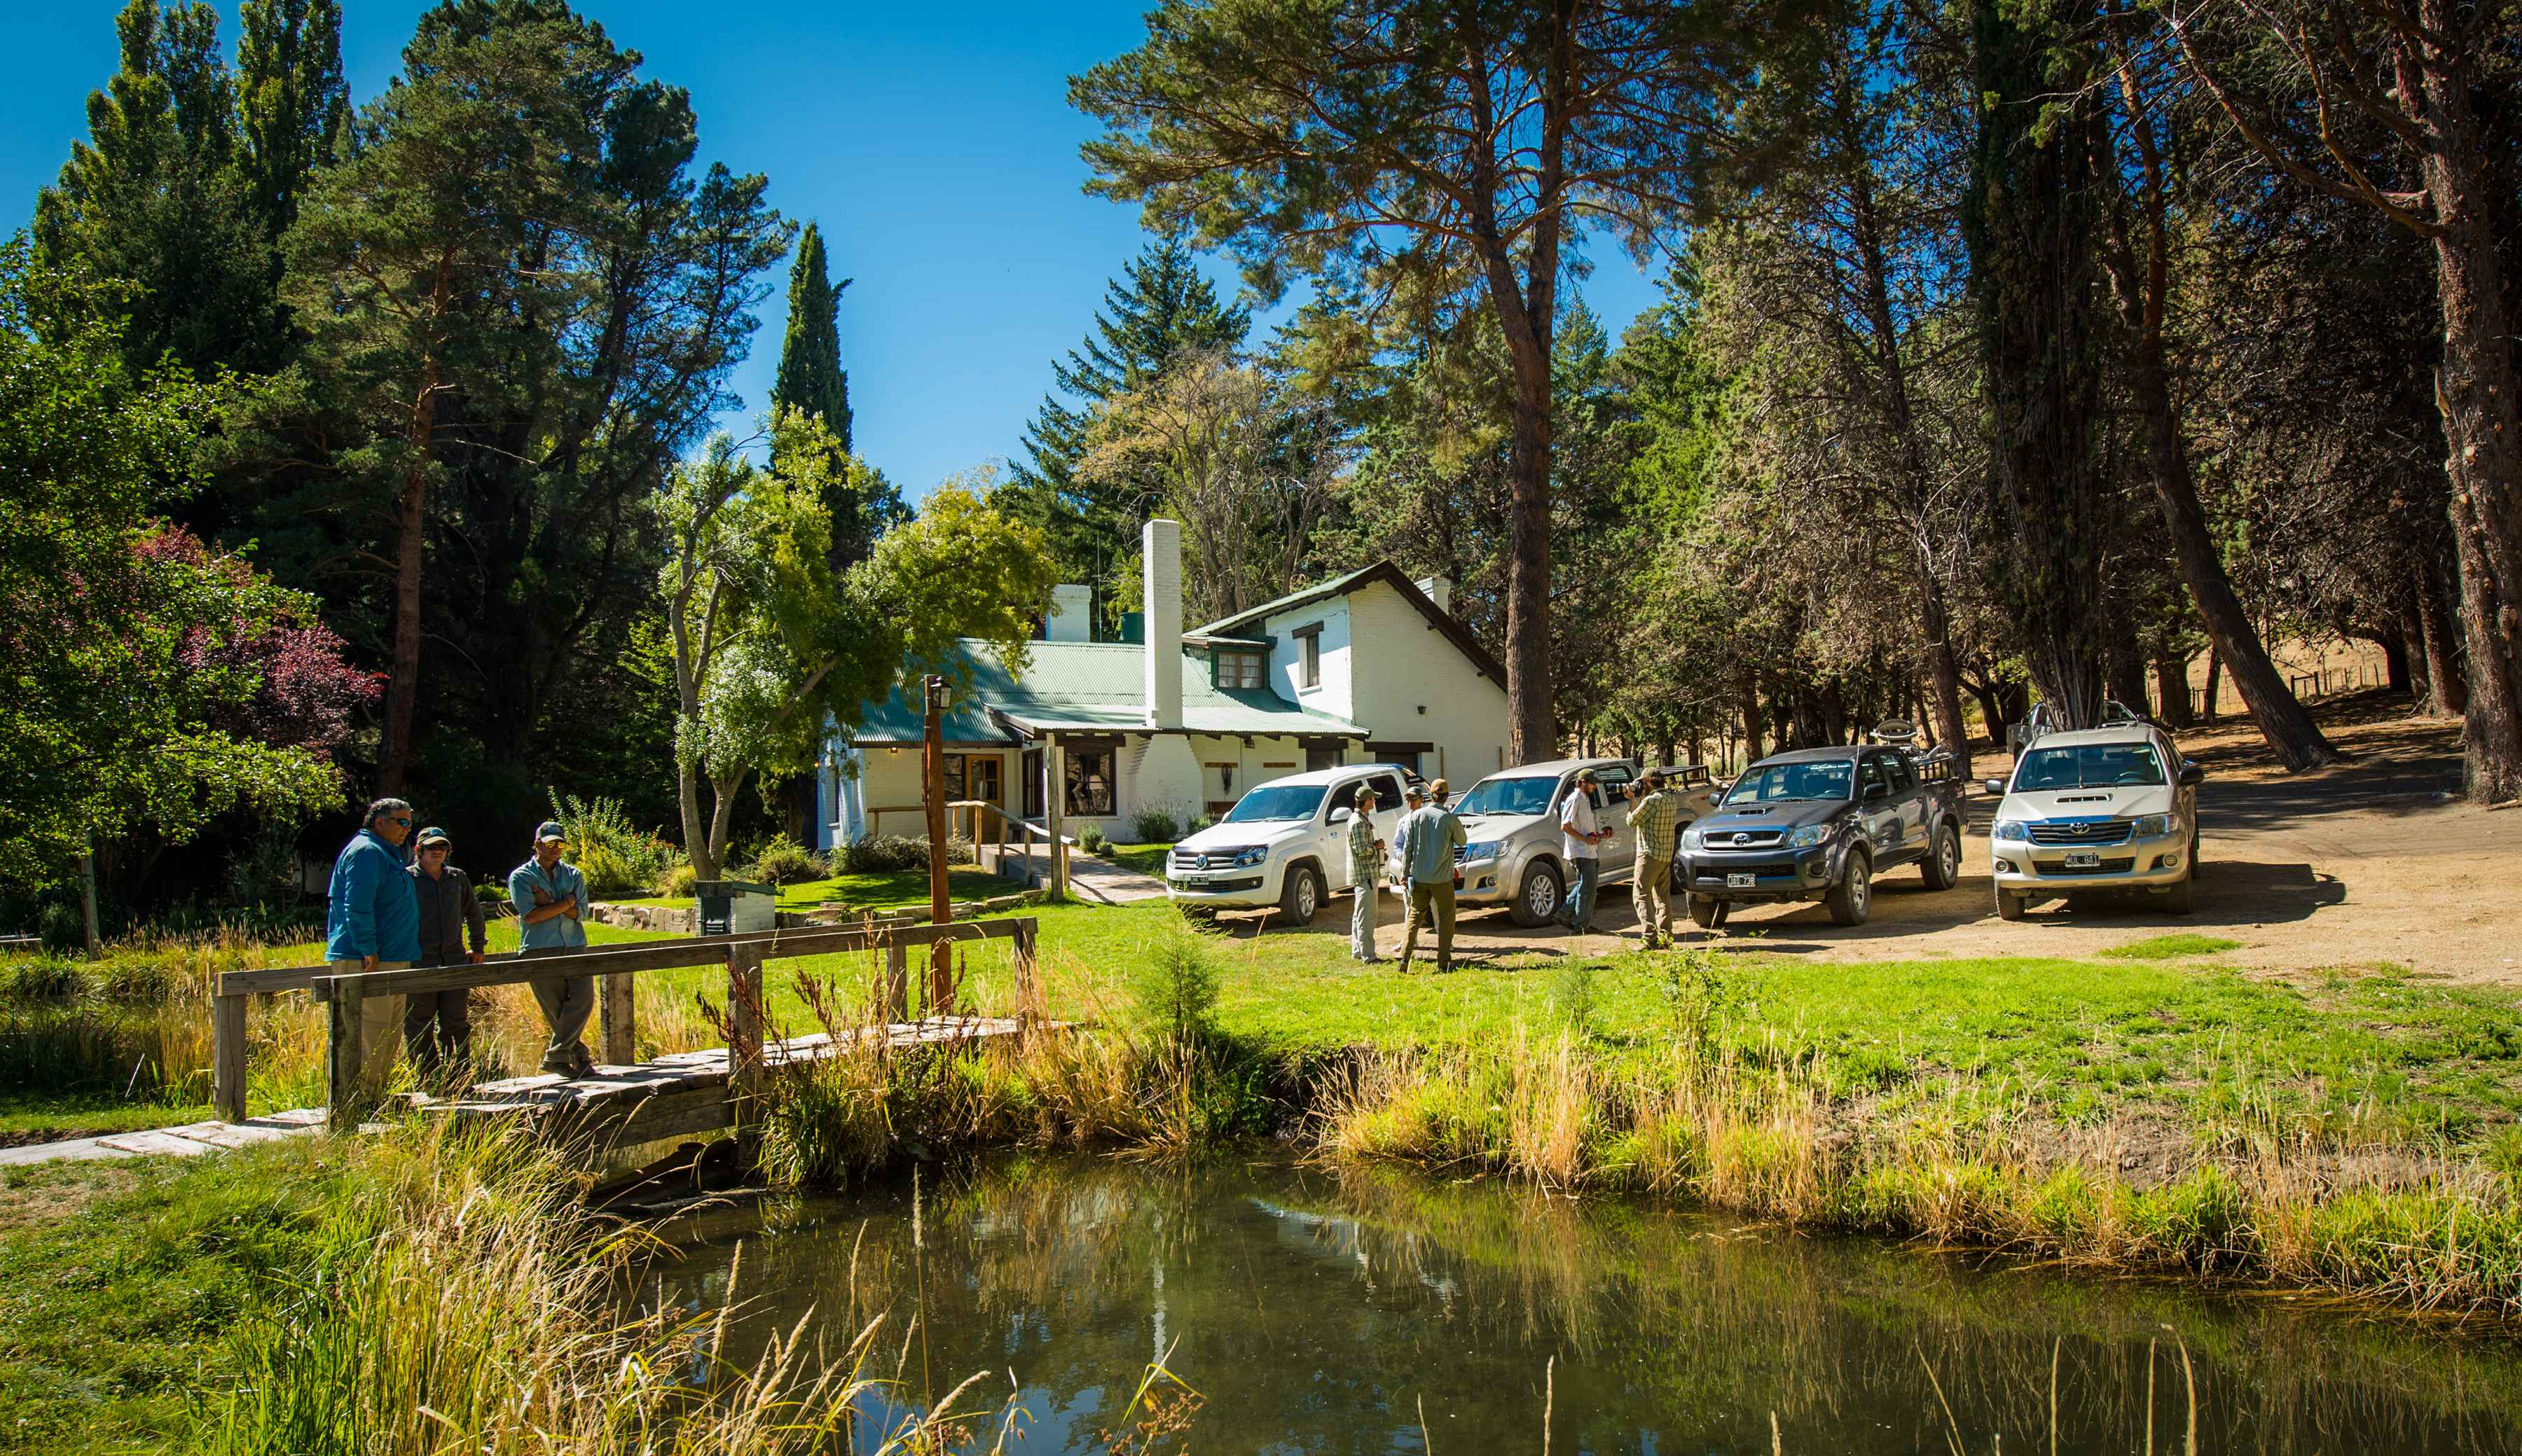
column 1819, row 824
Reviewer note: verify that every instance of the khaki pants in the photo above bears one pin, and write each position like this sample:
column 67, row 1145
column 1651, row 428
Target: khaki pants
column 1650, row 891
column 567, row 1001
column 380, row 1028
column 1361, row 918
column 1430, row 899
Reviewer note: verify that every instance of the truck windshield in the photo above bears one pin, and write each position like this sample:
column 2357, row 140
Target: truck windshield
column 2089, row 766
column 1773, row 782
column 1529, row 794
column 1277, row 803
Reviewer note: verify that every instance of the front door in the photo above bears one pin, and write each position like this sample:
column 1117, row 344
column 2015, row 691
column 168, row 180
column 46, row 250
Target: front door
column 1879, row 809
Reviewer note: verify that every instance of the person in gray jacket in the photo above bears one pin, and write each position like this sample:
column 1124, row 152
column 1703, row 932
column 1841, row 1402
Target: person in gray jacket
column 438, row 1025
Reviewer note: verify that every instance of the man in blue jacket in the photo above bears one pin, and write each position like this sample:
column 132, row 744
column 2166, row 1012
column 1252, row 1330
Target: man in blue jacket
column 374, row 924
column 550, row 898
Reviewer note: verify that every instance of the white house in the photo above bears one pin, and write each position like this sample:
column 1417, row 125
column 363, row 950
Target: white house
column 1364, row 669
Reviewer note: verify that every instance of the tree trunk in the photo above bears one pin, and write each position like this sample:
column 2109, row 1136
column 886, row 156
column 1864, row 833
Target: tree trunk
column 1946, row 672
column 2171, row 692
column 2395, row 663
column 2475, row 389
column 2446, row 688
column 403, row 678
column 1531, row 722
column 87, row 899
column 1750, row 721
column 2214, row 680
column 2412, row 663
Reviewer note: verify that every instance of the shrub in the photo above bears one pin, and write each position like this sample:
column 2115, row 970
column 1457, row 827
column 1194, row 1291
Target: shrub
column 1204, row 821
column 1174, row 992
column 1090, row 839
column 1155, row 824
column 882, row 854
column 616, row 858
column 676, row 883
column 784, row 861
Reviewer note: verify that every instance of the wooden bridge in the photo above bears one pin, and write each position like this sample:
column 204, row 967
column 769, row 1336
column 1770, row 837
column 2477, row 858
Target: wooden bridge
column 627, row 1102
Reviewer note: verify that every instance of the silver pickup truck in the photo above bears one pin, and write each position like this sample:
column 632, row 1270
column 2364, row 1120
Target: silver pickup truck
column 1511, row 820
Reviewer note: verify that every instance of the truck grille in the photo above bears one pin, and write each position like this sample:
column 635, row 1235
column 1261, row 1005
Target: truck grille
column 1723, row 840
column 2120, row 866
column 2080, row 832
column 1214, row 859
column 1713, row 874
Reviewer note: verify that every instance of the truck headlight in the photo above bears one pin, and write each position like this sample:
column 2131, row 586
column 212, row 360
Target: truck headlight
column 1245, row 859
column 2017, row 830
column 2155, row 826
column 1805, row 836
column 1691, row 840
column 1484, row 849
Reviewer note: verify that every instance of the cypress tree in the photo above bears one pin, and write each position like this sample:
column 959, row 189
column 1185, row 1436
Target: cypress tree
column 811, row 378
column 1157, row 308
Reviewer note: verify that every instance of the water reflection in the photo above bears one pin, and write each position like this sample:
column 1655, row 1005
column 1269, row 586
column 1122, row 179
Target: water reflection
column 1319, row 1313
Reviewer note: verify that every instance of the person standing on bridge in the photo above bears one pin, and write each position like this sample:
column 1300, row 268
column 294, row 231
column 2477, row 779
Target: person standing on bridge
column 373, row 923
column 1428, row 840
column 550, row 898
column 438, row 1025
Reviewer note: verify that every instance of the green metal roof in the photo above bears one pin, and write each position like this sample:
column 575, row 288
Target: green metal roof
column 1319, row 590
column 1095, row 686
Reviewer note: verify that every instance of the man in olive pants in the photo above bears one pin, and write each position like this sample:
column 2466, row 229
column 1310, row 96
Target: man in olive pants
column 551, row 896
column 1428, row 840
column 1655, row 818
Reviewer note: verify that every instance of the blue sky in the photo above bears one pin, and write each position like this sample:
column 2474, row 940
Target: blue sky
column 934, row 142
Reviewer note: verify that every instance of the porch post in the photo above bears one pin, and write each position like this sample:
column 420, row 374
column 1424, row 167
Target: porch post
column 1054, row 774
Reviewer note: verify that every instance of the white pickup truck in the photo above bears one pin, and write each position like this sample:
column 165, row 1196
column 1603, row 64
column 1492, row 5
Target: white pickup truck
column 2109, row 808
column 1284, row 842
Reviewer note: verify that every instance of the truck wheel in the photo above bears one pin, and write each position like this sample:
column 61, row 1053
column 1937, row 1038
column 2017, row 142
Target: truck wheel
column 1301, row 897
column 1706, row 912
column 1538, row 901
column 1852, row 898
column 2009, row 905
column 1943, row 866
column 2183, row 899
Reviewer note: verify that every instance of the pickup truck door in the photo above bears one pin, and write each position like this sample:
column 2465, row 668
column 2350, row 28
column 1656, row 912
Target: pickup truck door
column 1388, row 809
column 1612, row 812
column 1878, row 808
column 1911, row 798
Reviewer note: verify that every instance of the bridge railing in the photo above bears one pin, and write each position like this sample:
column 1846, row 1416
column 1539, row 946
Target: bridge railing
column 744, row 957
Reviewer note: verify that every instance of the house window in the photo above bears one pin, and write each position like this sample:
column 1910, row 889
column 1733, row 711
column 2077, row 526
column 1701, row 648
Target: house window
column 1308, row 656
column 972, row 776
column 1090, row 782
column 1317, row 760
column 1239, row 667
column 1032, row 773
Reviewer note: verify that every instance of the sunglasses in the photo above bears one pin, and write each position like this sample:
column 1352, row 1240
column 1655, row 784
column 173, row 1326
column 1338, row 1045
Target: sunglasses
column 403, row 823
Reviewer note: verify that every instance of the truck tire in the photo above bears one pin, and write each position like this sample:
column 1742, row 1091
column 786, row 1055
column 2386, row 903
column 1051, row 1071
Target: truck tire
column 1540, row 897
column 1851, row 899
column 2009, row 905
column 1300, row 897
column 1708, row 912
column 2182, row 898
column 1942, row 866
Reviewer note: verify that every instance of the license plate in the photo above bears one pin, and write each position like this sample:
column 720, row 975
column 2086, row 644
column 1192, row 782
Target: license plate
column 1196, row 882
column 2083, row 859
column 1741, row 882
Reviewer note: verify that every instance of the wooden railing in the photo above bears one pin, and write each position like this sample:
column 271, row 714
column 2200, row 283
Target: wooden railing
column 965, row 819
column 744, row 957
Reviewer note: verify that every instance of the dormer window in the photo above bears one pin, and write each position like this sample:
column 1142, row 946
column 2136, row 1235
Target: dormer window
column 1240, row 666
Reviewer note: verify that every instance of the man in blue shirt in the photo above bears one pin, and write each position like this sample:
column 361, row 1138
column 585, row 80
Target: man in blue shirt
column 550, row 898
column 1428, row 840
column 373, row 923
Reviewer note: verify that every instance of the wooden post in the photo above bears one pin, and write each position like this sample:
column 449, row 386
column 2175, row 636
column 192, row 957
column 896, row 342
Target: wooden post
column 621, row 1047
column 897, row 983
column 744, row 1050
column 1053, row 794
column 228, row 1057
column 941, row 966
column 1021, row 956
column 345, row 1055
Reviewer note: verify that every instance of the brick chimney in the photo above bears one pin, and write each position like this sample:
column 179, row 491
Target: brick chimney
column 1160, row 565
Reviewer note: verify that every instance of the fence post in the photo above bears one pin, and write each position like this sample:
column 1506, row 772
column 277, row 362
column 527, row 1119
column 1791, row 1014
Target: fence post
column 744, row 1050
column 1022, row 959
column 619, row 1046
column 345, row 1055
column 897, row 983
column 228, row 1058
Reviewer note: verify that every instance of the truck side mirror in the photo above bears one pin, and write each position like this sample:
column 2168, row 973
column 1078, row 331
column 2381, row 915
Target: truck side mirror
column 1341, row 816
column 2192, row 775
column 1995, row 787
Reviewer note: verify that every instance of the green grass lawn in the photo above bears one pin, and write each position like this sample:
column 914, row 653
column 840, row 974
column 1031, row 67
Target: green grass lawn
column 1147, row 859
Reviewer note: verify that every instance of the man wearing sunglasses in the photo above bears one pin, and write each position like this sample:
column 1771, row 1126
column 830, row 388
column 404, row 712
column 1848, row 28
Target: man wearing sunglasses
column 374, row 924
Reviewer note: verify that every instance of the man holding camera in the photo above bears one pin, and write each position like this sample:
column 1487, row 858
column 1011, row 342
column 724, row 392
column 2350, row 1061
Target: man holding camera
column 1581, row 835
column 1655, row 817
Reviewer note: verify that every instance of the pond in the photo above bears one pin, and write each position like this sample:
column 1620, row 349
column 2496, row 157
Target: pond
column 1383, row 1313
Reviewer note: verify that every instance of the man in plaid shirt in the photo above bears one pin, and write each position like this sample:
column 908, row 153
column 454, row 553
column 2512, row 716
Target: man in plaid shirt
column 1651, row 888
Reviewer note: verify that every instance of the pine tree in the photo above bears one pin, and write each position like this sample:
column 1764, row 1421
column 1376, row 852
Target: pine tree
column 810, row 378
column 293, row 107
column 1157, row 308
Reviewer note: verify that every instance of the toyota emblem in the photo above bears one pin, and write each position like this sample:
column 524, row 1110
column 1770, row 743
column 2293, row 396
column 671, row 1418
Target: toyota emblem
column 1741, row 839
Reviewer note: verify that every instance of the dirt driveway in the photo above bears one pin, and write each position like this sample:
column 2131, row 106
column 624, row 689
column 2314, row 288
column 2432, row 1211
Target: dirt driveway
column 2370, row 861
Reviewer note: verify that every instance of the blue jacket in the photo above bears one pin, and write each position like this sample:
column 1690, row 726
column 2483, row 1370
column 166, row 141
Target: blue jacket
column 561, row 931
column 374, row 911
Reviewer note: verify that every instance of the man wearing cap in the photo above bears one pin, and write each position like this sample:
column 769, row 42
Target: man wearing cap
column 1580, row 838
column 551, row 896
column 1428, row 840
column 373, row 923
column 438, row 1025
column 1655, row 818
column 1366, row 873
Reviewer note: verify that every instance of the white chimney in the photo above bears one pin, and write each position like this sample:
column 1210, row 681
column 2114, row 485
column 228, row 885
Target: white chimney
column 1440, row 590
column 1071, row 615
column 1160, row 565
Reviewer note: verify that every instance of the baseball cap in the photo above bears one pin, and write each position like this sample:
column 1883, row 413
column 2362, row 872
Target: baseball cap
column 1440, row 789
column 549, row 828
column 433, row 836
